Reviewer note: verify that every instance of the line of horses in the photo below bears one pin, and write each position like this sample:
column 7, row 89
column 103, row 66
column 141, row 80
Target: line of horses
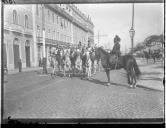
column 74, row 61
column 86, row 63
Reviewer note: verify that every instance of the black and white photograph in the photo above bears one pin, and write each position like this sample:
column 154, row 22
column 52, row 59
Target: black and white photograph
column 83, row 61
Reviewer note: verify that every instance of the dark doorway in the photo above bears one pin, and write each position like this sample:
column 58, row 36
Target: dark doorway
column 27, row 52
column 16, row 55
column 4, row 57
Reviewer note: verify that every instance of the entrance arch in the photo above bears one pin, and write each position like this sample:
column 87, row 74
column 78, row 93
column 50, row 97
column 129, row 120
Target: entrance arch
column 16, row 52
column 27, row 53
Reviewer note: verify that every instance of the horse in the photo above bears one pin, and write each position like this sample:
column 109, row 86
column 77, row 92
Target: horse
column 156, row 54
column 83, row 59
column 66, row 63
column 128, row 62
column 53, row 63
column 152, row 54
column 78, row 62
column 88, row 65
column 93, row 61
column 59, row 59
column 73, row 57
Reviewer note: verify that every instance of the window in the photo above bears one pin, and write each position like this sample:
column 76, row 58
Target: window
column 26, row 21
column 48, row 33
column 65, row 38
column 64, row 24
column 54, row 36
column 48, row 16
column 53, row 17
column 61, row 24
column 67, row 24
column 61, row 38
column 57, row 19
column 57, row 35
column 37, row 10
column 38, row 30
column 15, row 19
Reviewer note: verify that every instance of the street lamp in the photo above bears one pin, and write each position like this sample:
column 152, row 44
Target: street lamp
column 131, row 31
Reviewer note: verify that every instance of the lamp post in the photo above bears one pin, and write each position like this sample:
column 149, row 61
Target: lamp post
column 131, row 31
column 44, row 43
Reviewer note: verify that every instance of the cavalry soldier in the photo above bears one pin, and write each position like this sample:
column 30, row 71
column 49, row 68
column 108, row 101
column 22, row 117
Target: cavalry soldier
column 116, row 49
column 89, row 48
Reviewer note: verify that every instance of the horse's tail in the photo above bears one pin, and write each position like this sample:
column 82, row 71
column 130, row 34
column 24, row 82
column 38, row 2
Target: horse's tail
column 136, row 69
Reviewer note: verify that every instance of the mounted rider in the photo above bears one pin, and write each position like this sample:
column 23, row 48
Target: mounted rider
column 116, row 49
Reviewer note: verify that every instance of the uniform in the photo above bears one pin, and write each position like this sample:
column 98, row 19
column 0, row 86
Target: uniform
column 116, row 49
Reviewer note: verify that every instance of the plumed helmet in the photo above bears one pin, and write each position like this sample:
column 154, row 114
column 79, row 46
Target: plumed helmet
column 117, row 38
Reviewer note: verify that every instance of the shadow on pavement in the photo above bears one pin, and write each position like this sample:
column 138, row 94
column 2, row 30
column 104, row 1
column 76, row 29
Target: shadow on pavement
column 152, row 78
column 147, row 88
column 159, row 66
column 151, row 73
column 105, row 83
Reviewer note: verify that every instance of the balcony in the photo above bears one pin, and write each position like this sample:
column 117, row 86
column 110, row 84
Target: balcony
column 60, row 11
column 79, row 24
column 28, row 31
column 6, row 26
column 16, row 28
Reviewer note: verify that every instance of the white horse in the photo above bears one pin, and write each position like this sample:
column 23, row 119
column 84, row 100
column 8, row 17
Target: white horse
column 66, row 62
column 88, row 65
column 79, row 62
column 54, row 64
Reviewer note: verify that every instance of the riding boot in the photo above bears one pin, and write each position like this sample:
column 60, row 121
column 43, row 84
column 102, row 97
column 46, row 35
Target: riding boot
column 116, row 62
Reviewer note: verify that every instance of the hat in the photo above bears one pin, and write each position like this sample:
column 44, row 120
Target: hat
column 117, row 38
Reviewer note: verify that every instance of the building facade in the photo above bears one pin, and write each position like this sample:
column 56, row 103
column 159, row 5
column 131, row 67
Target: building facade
column 18, row 36
column 62, row 24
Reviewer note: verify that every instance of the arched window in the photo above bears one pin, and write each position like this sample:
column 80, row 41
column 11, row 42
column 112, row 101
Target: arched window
column 27, row 43
column 26, row 21
column 52, row 17
column 16, row 41
column 15, row 19
column 37, row 9
column 48, row 16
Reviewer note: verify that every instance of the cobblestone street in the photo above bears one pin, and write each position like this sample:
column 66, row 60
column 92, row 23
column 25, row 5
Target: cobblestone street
column 31, row 95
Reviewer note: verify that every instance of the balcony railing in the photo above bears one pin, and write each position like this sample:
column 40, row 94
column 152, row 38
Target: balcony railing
column 6, row 26
column 28, row 31
column 16, row 28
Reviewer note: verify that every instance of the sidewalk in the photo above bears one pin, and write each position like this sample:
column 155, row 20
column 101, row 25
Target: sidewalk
column 15, row 71
column 152, row 75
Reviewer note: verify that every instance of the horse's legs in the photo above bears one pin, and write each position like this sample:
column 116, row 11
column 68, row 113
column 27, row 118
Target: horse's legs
column 128, row 77
column 133, row 77
column 64, row 70
column 108, row 76
column 89, row 72
column 129, row 74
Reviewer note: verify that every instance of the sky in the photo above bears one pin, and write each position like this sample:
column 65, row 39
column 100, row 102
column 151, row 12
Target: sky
column 116, row 19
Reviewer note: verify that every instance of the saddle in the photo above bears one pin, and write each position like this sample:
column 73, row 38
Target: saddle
column 115, row 60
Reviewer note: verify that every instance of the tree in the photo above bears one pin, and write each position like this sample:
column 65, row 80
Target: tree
column 138, row 47
column 154, row 38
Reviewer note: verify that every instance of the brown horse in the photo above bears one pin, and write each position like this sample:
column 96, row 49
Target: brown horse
column 127, row 62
